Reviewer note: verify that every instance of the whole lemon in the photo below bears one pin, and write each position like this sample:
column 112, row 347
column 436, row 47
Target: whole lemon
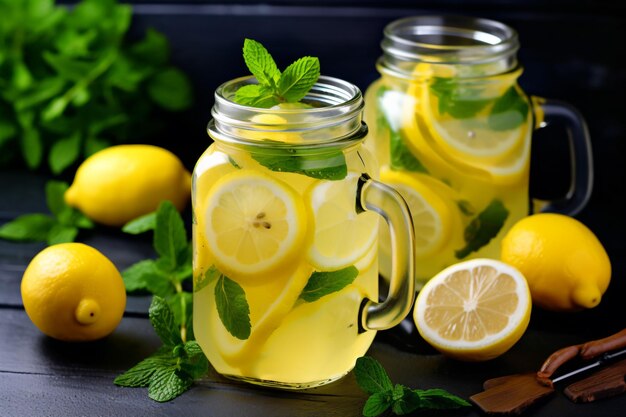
column 123, row 182
column 566, row 266
column 73, row 292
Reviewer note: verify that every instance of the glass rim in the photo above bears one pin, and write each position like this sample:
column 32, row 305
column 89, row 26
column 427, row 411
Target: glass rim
column 448, row 40
column 341, row 106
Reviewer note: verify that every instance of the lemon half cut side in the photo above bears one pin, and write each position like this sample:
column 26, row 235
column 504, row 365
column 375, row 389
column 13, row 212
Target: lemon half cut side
column 255, row 223
column 474, row 310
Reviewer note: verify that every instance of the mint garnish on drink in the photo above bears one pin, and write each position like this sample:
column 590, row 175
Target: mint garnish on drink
column 275, row 87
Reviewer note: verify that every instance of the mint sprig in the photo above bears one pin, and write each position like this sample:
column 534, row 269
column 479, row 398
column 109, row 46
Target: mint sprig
column 232, row 307
column 325, row 165
column 373, row 379
column 172, row 369
column 60, row 226
column 275, row 87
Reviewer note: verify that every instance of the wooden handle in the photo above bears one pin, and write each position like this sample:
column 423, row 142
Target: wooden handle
column 595, row 348
column 606, row 383
column 587, row 350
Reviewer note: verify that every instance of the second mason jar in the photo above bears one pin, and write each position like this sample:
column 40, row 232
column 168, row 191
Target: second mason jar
column 452, row 129
column 285, row 232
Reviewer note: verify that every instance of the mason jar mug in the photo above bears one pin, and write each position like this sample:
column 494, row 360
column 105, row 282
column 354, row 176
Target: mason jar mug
column 285, row 229
column 451, row 129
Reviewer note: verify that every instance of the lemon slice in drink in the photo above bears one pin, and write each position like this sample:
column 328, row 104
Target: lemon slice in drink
column 431, row 215
column 474, row 310
column 255, row 224
column 341, row 236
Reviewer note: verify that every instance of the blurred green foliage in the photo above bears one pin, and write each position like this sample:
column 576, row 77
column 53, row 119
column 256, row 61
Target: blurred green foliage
column 70, row 84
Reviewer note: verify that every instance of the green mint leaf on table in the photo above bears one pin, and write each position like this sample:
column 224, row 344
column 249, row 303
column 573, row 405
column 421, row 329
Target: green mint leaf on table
column 459, row 101
column 324, row 283
column 373, row 379
column 147, row 276
column 196, row 364
column 329, row 165
column 60, row 227
column 371, row 376
column 509, row 111
column 140, row 374
column 483, row 228
column 181, row 305
column 377, row 404
column 275, row 87
column 32, row 147
column 28, row 228
column 166, row 384
column 141, row 224
column 210, row 275
column 440, row 399
column 232, row 307
column 163, row 321
column 260, row 63
column 170, row 236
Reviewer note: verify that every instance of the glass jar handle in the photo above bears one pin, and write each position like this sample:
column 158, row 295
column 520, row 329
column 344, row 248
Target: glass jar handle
column 580, row 153
column 384, row 200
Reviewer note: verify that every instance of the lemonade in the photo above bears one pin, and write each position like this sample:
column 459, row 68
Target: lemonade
column 285, row 250
column 466, row 182
column 451, row 129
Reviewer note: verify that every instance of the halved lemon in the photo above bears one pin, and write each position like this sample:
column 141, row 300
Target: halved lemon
column 255, row 224
column 341, row 236
column 431, row 215
column 474, row 310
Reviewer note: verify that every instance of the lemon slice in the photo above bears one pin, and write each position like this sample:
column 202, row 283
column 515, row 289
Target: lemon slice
column 474, row 310
column 341, row 236
column 431, row 216
column 269, row 304
column 254, row 223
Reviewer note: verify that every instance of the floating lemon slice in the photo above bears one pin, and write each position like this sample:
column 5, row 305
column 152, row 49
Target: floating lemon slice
column 341, row 236
column 254, row 224
column 474, row 310
column 431, row 216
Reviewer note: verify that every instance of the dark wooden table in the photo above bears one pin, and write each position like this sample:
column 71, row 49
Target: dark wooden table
column 40, row 376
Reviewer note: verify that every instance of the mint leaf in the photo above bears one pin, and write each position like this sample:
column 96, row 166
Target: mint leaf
column 181, row 306
column 170, row 236
column 371, row 376
column 166, row 384
column 64, row 153
column 329, row 165
column 209, row 276
column 28, row 228
column 255, row 95
column 405, row 400
column 232, row 307
column 140, row 374
column 162, row 320
column 146, row 275
column 466, row 207
column 32, row 147
column 195, row 364
column 459, row 101
column 298, row 78
column 377, row 404
column 436, row 399
column 171, row 89
column 141, row 224
column 60, row 233
column 509, row 111
column 55, row 192
column 260, row 63
column 324, row 283
column 483, row 228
